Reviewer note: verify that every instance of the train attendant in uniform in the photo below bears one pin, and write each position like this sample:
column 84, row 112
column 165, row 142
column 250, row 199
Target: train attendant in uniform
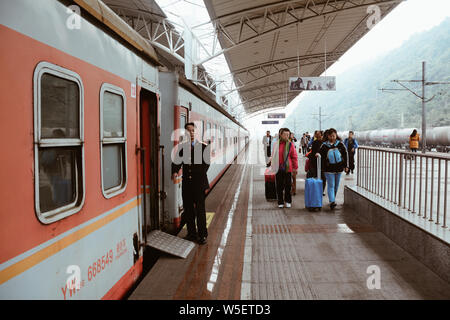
column 284, row 163
column 351, row 144
column 194, row 158
column 334, row 161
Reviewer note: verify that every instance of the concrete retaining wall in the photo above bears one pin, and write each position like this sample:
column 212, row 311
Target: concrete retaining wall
column 424, row 246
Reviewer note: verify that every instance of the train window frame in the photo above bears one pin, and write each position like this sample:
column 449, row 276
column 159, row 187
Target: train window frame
column 116, row 190
column 208, row 132
column 203, row 130
column 40, row 143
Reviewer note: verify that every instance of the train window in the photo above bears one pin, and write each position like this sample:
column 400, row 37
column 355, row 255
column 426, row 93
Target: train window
column 208, row 133
column 113, row 139
column 58, row 136
column 57, row 112
column 225, row 138
column 203, row 130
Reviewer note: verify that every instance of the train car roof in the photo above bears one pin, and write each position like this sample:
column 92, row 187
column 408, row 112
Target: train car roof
column 110, row 19
column 107, row 17
column 191, row 87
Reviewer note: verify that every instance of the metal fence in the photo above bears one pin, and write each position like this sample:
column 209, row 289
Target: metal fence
column 413, row 181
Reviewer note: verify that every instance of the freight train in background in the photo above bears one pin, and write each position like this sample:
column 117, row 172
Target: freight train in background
column 87, row 117
column 438, row 138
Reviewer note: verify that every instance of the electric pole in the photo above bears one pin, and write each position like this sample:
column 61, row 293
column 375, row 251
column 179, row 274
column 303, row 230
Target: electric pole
column 320, row 117
column 422, row 97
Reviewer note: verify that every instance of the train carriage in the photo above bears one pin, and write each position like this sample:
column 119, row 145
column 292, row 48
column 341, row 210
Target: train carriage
column 82, row 117
column 437, row 137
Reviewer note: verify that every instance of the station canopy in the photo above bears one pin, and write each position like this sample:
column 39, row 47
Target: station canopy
column 265, row 41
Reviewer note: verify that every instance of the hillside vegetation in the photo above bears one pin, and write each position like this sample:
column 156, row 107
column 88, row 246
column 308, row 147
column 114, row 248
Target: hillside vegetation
column 358, row 104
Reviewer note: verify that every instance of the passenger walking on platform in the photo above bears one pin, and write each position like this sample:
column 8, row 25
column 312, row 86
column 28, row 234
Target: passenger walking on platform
column 351, row 144
column 194, row 184
column 315, row 148
column 304, row 143
column 311, row 140
column 267, row 142
column 293, row 140
column 414, row 139
column 284, row 163
column 334, row 161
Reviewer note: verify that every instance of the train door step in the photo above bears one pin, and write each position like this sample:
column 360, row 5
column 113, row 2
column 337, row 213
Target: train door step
column 169, row 244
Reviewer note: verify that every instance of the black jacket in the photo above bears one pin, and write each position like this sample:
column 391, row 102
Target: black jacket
column 315, row 147
column 195, row 165
column 330, row 167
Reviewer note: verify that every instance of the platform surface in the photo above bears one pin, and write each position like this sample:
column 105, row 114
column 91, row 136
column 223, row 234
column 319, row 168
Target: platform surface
column 257, row 251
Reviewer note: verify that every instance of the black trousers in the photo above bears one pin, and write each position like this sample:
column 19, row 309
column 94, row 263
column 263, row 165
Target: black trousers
column 304, row 150
column 351, row 160
column 193, row 195
column 284, row 183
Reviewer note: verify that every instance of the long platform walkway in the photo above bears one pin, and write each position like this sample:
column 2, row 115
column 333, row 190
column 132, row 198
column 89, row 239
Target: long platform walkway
column 257, row 251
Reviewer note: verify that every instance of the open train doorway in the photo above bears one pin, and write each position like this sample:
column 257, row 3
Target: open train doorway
column 149, row 138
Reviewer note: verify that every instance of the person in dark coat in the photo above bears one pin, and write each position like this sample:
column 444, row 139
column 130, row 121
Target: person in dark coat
column 194, row 158
column 351, row 144
column 334, row 161
column 315, row 147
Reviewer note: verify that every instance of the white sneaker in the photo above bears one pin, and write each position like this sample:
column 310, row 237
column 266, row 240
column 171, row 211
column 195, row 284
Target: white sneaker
column 288, row 205
column 280, row 206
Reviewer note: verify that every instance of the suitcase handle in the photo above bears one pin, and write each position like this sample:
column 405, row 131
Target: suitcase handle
column 319, row 162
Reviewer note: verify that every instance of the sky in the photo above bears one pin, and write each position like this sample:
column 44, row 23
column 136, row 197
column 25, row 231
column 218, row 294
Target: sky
column 408, row 18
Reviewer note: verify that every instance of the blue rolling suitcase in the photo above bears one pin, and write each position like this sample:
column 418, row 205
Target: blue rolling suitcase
column 313, row 190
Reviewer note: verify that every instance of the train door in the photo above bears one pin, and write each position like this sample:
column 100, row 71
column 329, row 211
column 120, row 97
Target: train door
column 149, row 159
column 181, row 118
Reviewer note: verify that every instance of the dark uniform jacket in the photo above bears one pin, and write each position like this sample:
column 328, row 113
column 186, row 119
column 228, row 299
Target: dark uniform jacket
column 315, row 148
column 196, row 164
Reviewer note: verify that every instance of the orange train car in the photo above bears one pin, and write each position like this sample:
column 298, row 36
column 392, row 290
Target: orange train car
column 86, row 125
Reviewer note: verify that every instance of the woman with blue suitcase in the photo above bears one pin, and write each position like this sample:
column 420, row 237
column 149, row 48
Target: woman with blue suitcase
column 334, row 161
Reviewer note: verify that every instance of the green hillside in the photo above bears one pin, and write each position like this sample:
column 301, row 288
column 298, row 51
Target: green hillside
column 358, row 105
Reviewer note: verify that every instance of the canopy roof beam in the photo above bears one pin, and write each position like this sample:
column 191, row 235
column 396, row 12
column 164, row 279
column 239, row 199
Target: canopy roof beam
column 264, row 20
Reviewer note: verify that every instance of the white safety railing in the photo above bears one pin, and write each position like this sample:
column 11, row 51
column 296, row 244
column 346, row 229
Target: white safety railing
column 413, row 181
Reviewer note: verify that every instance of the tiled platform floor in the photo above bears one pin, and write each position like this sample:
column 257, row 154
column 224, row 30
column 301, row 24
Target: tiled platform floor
column 296, row 254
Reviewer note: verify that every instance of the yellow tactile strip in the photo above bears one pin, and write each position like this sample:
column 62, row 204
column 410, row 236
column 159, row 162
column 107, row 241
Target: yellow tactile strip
column 311, row 228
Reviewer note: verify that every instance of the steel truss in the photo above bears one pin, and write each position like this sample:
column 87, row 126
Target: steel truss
column 245, row 26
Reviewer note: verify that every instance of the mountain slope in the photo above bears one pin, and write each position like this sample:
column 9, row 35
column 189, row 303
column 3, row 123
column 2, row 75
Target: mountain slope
column 359, row 105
